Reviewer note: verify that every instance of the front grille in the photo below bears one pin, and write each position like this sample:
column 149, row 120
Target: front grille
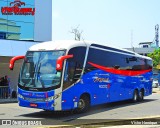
column 35, row 99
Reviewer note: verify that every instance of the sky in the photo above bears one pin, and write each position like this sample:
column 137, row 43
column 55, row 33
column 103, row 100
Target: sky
column 114, row 22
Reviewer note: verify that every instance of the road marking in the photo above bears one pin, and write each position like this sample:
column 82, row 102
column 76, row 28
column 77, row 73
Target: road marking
column 147, row 117
column 55, row 126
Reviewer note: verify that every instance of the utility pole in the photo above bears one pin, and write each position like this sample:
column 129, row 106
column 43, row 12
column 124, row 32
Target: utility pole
column 157, row 35
column 132, row 40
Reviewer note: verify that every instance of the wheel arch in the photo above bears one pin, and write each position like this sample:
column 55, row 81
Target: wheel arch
column 142, row 89
column 86, row 94
column 136, row 89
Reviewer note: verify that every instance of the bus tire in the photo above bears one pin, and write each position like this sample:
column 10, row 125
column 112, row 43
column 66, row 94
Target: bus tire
column 141, row 95
column 83, row 104
column 135, row 96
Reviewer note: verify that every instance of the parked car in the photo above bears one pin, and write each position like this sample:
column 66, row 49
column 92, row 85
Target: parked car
column 155, row 83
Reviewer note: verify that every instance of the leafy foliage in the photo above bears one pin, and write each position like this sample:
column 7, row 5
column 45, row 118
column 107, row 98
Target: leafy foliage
column 155, row 56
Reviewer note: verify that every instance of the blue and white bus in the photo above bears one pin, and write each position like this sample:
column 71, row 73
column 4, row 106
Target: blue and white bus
column 74, row 75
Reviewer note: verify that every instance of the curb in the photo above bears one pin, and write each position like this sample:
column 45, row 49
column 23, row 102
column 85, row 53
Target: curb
column 2, row 101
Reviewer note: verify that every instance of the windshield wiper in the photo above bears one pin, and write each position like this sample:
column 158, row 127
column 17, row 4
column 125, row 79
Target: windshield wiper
column 38, row 72
column 34, row 69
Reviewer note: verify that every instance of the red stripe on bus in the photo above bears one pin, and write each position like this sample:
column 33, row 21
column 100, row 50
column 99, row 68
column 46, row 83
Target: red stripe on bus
column 118, row 71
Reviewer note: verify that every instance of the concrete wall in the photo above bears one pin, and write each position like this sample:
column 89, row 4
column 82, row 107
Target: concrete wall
column 43, row 20
column 14, row 47
column 141, row 50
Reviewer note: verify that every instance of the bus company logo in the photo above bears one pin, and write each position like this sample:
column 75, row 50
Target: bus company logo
column 101, row 80
column 16, row 9
column 17, row 3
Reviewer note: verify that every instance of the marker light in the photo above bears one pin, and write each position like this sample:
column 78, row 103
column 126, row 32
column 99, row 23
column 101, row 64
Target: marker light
column 52, row 97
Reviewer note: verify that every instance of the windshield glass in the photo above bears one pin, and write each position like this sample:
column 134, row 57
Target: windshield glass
column 39, row 69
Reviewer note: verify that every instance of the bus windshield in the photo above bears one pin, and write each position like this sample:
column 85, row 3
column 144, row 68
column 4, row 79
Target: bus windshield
column 39, row 69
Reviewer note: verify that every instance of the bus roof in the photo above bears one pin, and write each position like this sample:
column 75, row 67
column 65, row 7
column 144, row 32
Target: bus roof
column 68, row 44
column 57, row 45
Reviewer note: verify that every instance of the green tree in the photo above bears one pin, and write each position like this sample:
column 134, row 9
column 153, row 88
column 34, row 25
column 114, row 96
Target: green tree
column 155, row 56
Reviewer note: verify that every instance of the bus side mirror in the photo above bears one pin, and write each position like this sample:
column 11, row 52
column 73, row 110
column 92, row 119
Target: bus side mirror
column 60, row 60
column 12, row 61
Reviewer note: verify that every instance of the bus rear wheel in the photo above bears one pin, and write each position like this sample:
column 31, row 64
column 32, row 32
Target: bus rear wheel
column 141, row 95
column 83, row 104
column 135, row 96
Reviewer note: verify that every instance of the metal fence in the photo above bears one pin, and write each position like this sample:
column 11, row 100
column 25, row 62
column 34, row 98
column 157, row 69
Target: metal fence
column 5, row 92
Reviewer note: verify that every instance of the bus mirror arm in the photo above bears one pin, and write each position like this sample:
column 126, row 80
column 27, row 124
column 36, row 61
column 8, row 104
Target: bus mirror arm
column 60, row 60
column 12, row 61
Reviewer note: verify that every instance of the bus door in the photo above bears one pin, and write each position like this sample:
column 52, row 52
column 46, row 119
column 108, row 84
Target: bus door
column 72, row 75
column 74, row 66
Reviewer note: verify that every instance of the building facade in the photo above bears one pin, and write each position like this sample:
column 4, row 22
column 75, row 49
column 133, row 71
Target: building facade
column 9, row 30
column 144, row 48
column 21, row 29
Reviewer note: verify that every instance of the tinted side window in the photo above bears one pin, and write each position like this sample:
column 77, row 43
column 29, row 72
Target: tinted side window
column 150, row 64
column 116, row 60
column 74, row 66
column 141, row 64
column 106, row 59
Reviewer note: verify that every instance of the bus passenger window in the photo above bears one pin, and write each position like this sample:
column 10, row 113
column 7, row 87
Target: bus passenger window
column 73, row 71
column 68, row 74
column 74, row 66
column 71, row 74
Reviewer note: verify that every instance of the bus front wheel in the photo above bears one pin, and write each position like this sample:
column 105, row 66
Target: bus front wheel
column 83, row 104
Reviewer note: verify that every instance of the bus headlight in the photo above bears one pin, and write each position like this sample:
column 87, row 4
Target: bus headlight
column 49, row 98
column 20, row 96
column 52, row 97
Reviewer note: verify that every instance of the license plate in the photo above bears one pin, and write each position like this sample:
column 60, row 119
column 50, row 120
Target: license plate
column 33, row 105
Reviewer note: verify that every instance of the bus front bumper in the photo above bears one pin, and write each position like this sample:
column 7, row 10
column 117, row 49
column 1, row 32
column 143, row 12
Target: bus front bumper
column 48, row 105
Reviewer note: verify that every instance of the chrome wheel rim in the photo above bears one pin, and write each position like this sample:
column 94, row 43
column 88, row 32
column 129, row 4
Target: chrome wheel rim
column 141, row 95
column 81, row 104
column 135, row 96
